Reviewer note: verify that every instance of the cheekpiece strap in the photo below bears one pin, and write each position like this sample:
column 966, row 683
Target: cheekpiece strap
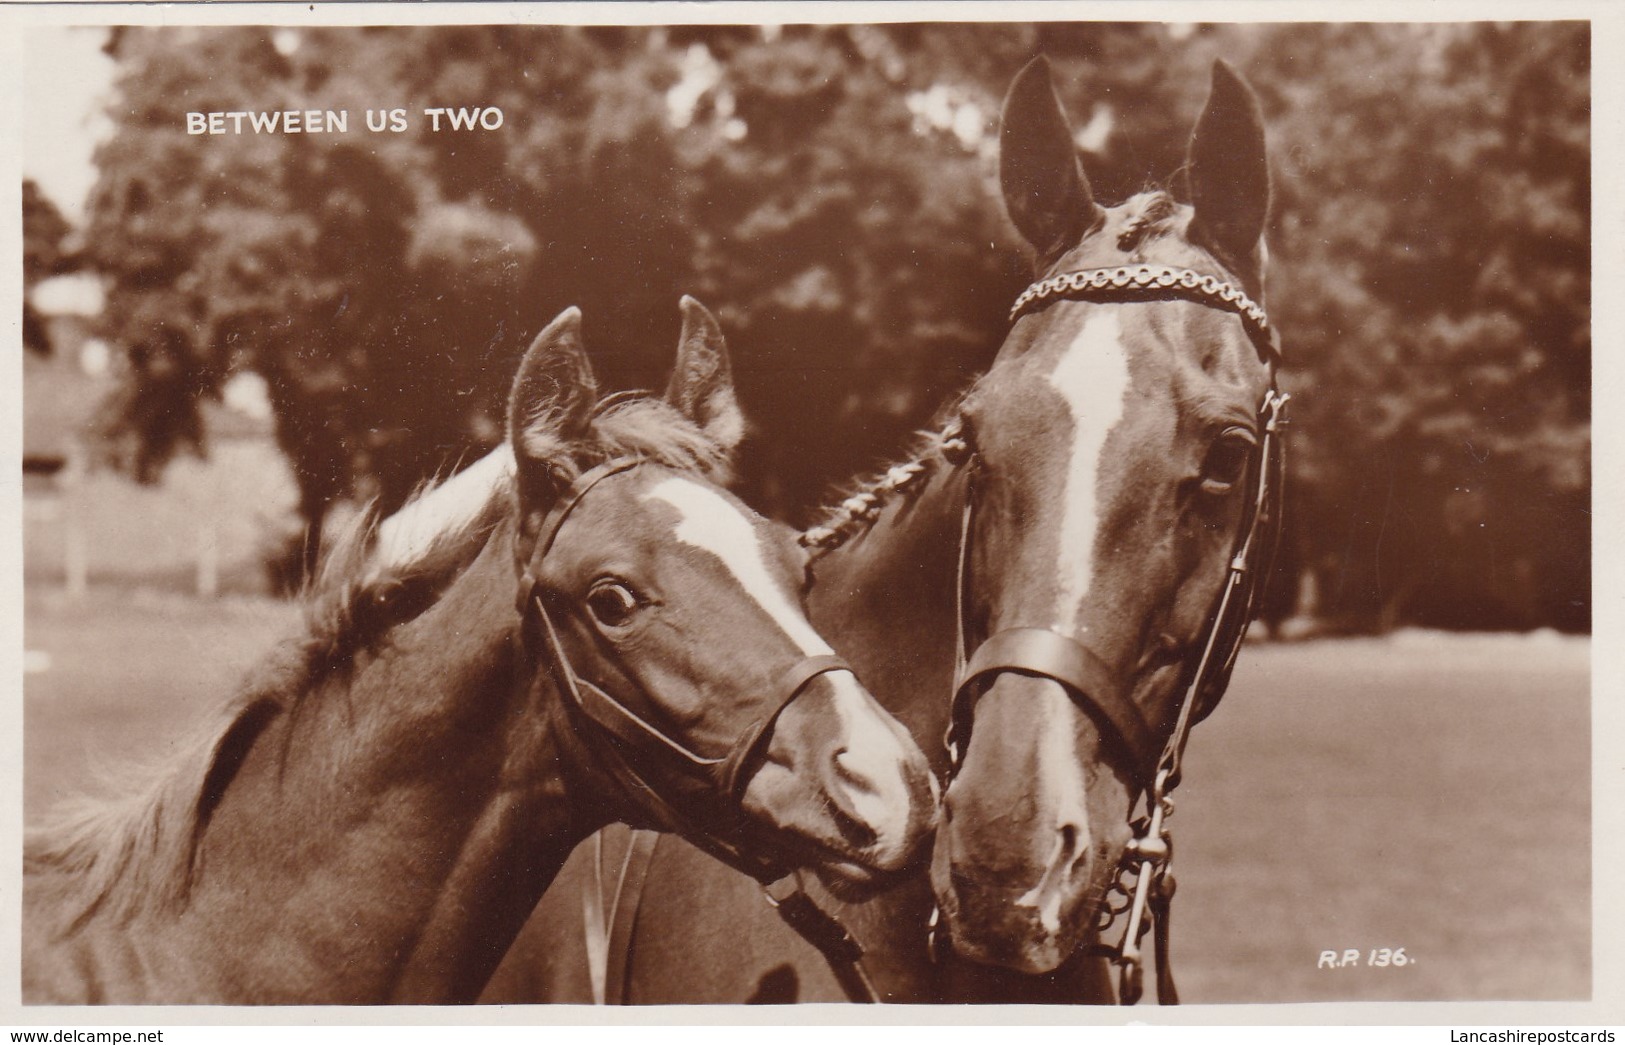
column 549, row 530
column 1154, row 282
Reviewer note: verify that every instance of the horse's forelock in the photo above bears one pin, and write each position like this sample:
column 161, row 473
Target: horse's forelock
column 1155, row 215
column 653, row 429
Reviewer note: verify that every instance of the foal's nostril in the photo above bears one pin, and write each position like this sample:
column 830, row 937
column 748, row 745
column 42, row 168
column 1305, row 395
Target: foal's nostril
column 848, row 773
column 857, row 833
column 856, row 799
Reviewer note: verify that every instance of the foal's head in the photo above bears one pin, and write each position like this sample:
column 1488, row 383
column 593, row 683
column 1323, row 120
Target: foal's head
column 672, row 613
column 1116, row 438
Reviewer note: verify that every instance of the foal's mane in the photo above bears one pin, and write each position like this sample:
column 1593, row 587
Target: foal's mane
column 135, row 848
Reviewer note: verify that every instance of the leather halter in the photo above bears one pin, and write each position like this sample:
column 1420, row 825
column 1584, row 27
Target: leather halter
column 1041, row 653
column 678, row 786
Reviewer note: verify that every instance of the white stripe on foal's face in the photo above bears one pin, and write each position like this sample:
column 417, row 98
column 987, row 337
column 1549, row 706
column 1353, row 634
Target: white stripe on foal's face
column 713, row 524
column 1093, row 379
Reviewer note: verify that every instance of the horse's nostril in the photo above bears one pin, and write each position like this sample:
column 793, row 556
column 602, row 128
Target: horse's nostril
column 1073, row 853
column 859, row 802
column 848, row 773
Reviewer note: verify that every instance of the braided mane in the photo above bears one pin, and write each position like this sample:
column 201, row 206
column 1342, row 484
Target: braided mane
column 859, row 510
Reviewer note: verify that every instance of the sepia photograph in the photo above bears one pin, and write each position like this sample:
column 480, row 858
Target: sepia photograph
column 762, row 506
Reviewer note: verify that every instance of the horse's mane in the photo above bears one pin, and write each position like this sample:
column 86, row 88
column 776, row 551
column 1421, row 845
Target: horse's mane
column 136, row 845
column 1139, row 222
column 861, row 500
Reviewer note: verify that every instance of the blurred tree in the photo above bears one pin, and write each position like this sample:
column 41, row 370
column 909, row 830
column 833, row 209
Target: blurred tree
column 832, row 192
column 45, row 254
column 318, row 260
column 1433, row 281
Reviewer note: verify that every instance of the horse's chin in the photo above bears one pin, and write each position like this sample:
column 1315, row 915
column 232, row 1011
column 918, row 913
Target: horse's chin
column 996, row 924
column 1013, row 943
column 854, row 882
column 846, row 875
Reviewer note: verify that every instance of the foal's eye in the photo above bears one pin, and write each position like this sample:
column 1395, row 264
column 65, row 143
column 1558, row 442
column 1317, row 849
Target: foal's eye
column 612, row 603
column 1227, row 460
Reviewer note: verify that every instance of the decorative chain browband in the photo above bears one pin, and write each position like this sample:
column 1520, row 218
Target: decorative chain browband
column 1151, row 279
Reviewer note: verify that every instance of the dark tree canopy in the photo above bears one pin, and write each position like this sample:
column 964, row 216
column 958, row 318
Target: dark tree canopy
column 831, row 192
column 45, row 254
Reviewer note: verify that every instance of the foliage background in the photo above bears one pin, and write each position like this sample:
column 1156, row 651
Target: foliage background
column 831, row 192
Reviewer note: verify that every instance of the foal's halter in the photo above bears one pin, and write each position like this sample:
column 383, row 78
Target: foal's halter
column 1041, row 653
column 680, row 788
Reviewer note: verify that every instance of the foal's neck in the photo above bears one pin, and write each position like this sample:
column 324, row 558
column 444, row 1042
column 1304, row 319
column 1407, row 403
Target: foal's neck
column 385, row 840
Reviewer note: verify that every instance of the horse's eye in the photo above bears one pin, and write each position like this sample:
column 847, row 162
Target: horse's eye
column 1227, row 460
column 612, row 604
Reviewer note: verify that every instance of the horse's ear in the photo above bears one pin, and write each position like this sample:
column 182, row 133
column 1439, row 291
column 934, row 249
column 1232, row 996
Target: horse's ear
column 1229, row 171
column 702, row 384
column 551, row 404
column 1045, row 189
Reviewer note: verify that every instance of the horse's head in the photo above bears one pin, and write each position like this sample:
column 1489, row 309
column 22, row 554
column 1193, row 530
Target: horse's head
column 672, row 615
column 1116, row 443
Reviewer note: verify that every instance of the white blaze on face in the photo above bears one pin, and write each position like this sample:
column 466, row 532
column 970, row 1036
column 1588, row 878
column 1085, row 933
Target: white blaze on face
column 1066, row 784
column 869, row 760
column 407, row 536
column 1093, row 378
column 712, row 523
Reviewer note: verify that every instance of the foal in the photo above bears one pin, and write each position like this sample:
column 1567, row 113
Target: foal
column 381, row 810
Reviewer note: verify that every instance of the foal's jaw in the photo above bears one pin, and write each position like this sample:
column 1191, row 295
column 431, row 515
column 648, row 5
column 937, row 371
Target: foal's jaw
column 847, row 785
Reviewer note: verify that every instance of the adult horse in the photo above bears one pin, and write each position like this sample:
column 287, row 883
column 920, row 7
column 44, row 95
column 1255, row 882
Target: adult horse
column 1056, row 568
column 380, row 812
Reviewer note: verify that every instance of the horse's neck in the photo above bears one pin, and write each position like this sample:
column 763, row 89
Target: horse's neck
column 384, row 838
column 886, row 600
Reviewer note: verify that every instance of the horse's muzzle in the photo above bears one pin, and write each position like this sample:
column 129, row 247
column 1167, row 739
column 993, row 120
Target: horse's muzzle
column 1021, row 858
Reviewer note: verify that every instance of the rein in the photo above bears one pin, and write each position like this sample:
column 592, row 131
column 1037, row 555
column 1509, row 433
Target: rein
column 1043, row 653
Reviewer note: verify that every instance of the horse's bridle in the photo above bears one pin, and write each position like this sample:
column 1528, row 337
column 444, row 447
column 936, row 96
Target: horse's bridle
column 627, row 745
column 1041, row 653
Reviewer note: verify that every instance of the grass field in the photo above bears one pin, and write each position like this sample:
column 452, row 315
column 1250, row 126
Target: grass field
column 1424, row 792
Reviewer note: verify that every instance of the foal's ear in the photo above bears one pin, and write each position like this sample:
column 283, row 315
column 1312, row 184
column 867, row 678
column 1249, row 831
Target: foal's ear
column 1229, row 171
column 1045, row 190
column 551, row 404
column 702, row 384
